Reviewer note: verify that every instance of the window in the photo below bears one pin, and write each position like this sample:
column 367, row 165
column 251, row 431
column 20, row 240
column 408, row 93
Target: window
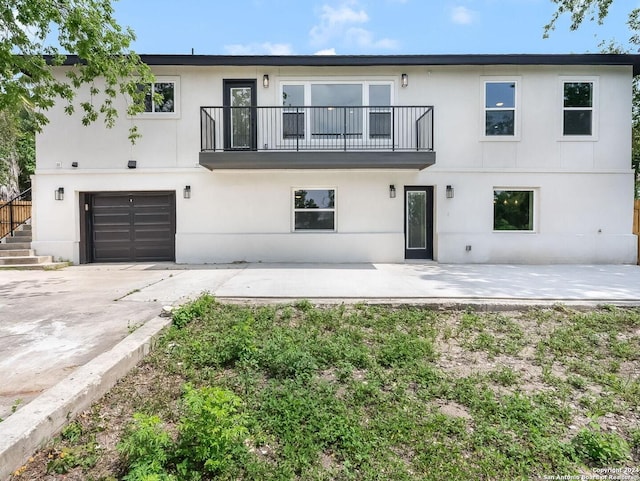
column 577, row 108
column 513, row 210
column 314, row 209
column 500, row 108
column 335, row 118
column 162, row 99
column 380, row 111
column 337, row 110
column 293, row 116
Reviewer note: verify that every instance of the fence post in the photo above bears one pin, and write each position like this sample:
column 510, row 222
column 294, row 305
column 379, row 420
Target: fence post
column 636, row 224
column 11, row 217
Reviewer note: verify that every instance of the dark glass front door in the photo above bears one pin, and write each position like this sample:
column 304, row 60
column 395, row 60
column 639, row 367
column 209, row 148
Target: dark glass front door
column 239, row 99
column 418, row 223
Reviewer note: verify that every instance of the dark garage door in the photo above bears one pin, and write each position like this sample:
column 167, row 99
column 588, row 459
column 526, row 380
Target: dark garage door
column 133, row 227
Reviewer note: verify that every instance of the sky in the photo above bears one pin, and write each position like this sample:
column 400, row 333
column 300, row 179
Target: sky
column 361, row 27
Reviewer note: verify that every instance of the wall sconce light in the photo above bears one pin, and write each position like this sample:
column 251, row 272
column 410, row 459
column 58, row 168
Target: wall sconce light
column 59, row 193
column 186, row 193
column 405, row 80
column 74, row 164
column 392, row 191
column 265, row 81
column 450, row 192
column 132, row 164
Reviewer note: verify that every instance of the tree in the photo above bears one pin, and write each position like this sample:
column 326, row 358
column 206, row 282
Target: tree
column 597, row 10
column 38, row 34
column 17, row 152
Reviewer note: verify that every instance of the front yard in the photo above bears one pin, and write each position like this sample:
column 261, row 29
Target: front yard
column 366, row 393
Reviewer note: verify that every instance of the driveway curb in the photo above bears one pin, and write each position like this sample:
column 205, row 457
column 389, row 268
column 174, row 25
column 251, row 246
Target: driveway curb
column 22, row 433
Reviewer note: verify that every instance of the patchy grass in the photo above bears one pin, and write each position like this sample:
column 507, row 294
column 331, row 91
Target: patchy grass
column 299, row 392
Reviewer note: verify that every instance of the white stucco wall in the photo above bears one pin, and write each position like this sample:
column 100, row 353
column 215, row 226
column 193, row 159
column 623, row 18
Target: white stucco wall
column 583, row 189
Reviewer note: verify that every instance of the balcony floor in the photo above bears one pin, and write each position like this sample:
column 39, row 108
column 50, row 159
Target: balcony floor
column 404, row 160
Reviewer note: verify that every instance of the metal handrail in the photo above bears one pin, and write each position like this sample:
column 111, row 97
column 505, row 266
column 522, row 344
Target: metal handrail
column 317, row 128
column 14, row 213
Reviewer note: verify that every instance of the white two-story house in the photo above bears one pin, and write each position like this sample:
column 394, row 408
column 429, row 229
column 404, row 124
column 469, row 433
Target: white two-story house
column 457, row 159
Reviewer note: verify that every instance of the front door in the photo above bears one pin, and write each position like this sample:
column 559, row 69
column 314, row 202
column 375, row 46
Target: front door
column 418, row 224
column 239, row 98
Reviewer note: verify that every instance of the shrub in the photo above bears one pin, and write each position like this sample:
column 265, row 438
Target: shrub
column 211, row 431
column 192, row 310
column 601, row 449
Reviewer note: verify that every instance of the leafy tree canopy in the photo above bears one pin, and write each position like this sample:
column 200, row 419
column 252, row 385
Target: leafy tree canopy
column 37, row 34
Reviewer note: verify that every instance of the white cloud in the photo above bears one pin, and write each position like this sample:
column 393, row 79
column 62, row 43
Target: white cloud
column 462, row 15
column 326, row 51
column 364, row 38
column 333, row 21
column 265, row 48
column 346, row 21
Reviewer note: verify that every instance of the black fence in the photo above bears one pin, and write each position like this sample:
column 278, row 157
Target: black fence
column 14, row 212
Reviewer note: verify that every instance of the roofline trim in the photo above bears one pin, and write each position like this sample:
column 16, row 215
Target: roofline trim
column 603, row 59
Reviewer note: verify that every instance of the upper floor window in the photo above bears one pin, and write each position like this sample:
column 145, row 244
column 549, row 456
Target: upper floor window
column 578, row 105
column 162, row 98
column 336, row 110
column 293, row 114
column 500, row 108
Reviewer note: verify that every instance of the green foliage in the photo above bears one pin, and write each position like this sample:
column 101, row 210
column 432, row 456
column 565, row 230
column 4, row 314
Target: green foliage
column 400, row 348
column 72, row 432
column 81, row 456
column 601, row 449
column 211, row 434
column 579, row 10
column 192, row 310
column 212, row 430
column 361, row 392
column 145, row 446
column 86, row 28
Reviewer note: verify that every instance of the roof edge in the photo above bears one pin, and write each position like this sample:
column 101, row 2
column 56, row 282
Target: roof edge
column 632, row 60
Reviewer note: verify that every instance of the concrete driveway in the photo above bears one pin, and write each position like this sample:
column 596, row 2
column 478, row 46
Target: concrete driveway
column 51, row 322
column 54, row 322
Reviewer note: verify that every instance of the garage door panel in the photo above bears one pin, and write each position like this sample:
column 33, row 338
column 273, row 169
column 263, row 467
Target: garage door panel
column 153, row 236
column 130, row 227
column 111, row 201
column 112, row 236
column 152, row 218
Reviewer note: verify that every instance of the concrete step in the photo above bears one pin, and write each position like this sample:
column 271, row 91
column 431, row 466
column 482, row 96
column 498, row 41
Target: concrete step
column 22, row 232
column 18, row 239
column 14, row 245
column 19, row 260
column 44, row 266
column 16, row 252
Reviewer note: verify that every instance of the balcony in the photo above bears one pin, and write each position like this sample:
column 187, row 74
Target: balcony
column 333, row 137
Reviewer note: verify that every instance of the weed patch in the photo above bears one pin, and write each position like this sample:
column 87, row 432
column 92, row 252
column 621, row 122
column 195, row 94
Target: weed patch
column 365, row 393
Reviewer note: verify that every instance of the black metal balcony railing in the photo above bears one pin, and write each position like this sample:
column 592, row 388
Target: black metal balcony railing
column 347, row 128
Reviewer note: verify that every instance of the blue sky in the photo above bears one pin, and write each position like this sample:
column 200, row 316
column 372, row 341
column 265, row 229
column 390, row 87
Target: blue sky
column 352, row 27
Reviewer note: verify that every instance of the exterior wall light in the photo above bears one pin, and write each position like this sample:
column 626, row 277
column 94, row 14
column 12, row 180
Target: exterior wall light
column 186, row 193
column 405, row 80
column 392, row 191
column 450, row 192
column 132, row 164
column 265, row 81
column 59, row 193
